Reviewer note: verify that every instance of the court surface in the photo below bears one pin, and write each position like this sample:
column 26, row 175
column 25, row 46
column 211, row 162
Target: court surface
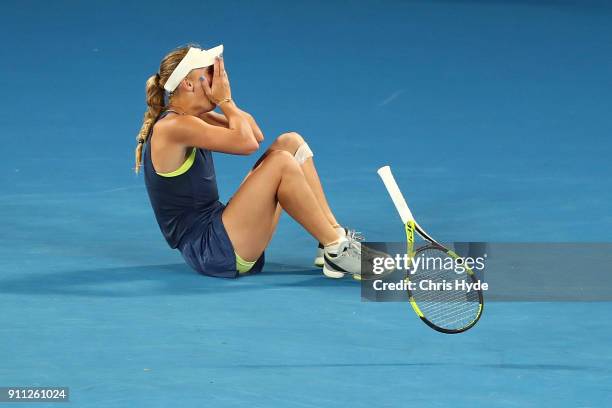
column 494, row 116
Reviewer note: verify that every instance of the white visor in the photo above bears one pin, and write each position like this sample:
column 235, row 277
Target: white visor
column 195, row 58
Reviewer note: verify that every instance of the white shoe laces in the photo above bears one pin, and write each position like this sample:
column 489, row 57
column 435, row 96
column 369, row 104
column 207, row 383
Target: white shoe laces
column 355, row 235
column 354, row 246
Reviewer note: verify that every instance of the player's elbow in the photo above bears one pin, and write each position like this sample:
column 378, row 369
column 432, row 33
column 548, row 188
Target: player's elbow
column 249, row 147
column 249, row 142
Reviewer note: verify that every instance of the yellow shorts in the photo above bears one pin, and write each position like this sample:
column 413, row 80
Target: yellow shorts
column 242, row 265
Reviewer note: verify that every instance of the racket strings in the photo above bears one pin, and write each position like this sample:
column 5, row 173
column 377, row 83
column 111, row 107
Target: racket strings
column 437, row 294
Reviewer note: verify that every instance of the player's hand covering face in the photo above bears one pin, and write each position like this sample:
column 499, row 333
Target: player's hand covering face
column 220, row 88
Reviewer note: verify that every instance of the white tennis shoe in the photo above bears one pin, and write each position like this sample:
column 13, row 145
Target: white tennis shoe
column 346, row 259
column 318, row 261
column 350, row 256
column 319, row 257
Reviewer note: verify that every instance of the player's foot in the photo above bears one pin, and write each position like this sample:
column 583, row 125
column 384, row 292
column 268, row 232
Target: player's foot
column 319, row 261
column 345, row 258
column 341, row 258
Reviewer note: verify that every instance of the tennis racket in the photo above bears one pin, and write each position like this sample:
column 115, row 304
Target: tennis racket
column 447, row 309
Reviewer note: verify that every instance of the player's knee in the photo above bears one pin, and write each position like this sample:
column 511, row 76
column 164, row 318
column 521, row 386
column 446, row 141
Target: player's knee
column 289, row 141
column 282, row 159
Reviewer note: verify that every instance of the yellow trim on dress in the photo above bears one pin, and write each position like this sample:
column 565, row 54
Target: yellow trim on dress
column 184, row 167
column 242, row 265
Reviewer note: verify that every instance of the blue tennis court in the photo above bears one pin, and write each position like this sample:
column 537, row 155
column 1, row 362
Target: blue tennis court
column 493, row 114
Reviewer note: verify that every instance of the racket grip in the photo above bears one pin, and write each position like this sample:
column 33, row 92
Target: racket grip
column 396, row 195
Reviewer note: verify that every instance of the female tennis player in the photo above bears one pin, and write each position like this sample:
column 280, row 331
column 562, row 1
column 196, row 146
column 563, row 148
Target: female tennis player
column 180, row 131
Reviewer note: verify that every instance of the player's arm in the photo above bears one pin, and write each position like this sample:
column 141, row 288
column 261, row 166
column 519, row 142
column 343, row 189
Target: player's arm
column 237, row 138
column 218, row 119
column 254, row 126
column 215, row 119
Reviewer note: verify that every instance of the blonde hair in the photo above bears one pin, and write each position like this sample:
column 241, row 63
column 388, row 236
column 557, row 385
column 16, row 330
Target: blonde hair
column 155, row 93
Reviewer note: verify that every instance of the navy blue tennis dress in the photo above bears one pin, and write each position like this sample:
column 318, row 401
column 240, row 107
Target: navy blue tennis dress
column 188, row 211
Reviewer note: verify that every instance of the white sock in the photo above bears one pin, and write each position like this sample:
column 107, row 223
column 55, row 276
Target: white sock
column 341, row 232
column 335, row 247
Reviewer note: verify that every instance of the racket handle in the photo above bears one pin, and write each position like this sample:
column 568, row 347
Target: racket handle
column 396, row 195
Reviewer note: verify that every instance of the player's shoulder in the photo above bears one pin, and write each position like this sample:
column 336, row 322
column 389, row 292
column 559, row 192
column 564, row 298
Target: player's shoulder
column 173, row 120
column 177, row 125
